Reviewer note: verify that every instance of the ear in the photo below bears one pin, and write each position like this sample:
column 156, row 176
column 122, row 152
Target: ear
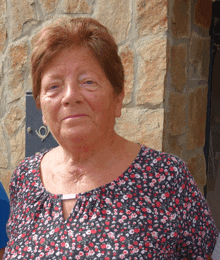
column 44, row 120
column 120, row 98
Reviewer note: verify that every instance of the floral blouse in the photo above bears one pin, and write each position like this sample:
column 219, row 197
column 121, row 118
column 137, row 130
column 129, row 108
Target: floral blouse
column 153, row 210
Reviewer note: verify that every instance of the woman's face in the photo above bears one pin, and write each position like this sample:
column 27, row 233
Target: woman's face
column 77, row 100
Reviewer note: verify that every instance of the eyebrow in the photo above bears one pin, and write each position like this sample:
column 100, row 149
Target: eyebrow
column 60, row 76
column 55, row 76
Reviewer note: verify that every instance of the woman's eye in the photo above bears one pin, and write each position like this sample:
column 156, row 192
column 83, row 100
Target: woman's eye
column 53, row 87
column 90, row 84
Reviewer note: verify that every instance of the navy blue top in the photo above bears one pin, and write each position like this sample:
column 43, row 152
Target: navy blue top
column 4, row 215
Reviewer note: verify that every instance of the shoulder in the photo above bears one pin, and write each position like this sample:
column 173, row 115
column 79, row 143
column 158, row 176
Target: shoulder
column 27, row 167
column 163, row 168
column 159, row 156
column 164, row 161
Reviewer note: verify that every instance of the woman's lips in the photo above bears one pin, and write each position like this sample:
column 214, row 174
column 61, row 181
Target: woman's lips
column 75, row 116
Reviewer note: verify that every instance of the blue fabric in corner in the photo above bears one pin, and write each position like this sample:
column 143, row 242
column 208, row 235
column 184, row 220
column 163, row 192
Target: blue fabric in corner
column 216, row 252
column 4, row 215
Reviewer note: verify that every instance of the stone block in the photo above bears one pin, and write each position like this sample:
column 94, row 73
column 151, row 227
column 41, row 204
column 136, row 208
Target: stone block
column 206, row 59
column 197, row 108
column 49, row 5
column 18, row 55
column 196, row 49
column 203, row 13
column 151, row 16
column 3, row 7
column 178, row 68
column 197, row 167
column 3, row 35
column 21, row 17
column 174, row 145
column 13, row 120
column 116, row 16
column 3, row 32
column 181, row 18
column 141, row 126
column 199, row 56
column 177, row 114
column 151, row 71
column 1, row 86
column 127, row 57
column 17, row 143
column 76, row 6
column 3, row 151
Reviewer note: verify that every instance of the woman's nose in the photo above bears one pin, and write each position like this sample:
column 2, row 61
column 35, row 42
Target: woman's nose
column 72, row 95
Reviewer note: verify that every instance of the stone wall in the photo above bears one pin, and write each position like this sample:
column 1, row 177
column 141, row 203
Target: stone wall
column 165, row 53
column 186, row 87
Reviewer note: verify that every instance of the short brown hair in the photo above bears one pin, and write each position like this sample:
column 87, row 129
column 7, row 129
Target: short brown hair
column 66, row 33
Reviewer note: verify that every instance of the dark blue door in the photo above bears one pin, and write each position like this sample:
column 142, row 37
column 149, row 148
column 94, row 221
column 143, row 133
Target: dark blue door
column 38, row 137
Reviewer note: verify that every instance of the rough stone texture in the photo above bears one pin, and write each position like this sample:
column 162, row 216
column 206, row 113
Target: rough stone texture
column 181, row 18
column 18, row 59
column 3, row 32
column 151, row 71
column 21, row 17
column 3, row 151
column 3, row 8
column 176, row 145
column 203, row 13
column 17, row 143
column 49, row 5
column 177, row 113
column 13, row 120
column 1, row 86
column 116, row 16
column 151, row 16
column 206, row 58
column 141, row 125
column 179, row 66
column 199, row 56
column 76, row 6
column 127, row 57
column 3, row 35
column 197, row 166
column 197, row 117
column 18, row 55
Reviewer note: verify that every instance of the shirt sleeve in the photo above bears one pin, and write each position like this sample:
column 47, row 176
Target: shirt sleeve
column 4, row 214
column 197, row 229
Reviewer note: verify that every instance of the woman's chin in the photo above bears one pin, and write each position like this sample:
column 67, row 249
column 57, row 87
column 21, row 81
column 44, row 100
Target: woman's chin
column 78, row 135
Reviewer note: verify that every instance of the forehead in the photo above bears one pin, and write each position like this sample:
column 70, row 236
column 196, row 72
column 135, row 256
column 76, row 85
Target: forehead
column 73, row 56
column 78, row 58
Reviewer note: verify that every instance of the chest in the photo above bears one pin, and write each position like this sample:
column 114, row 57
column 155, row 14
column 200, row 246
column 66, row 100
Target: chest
column 112, row 223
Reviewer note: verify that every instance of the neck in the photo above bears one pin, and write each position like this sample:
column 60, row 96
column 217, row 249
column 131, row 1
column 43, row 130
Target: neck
column 91, row 153
column 85, row 169
column 88, row 164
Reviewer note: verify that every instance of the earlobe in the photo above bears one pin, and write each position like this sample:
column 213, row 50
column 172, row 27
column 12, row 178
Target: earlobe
column 44, row 120
column 119, row 105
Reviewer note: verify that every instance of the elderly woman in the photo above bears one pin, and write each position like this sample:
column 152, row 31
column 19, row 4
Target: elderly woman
column 97, row 195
